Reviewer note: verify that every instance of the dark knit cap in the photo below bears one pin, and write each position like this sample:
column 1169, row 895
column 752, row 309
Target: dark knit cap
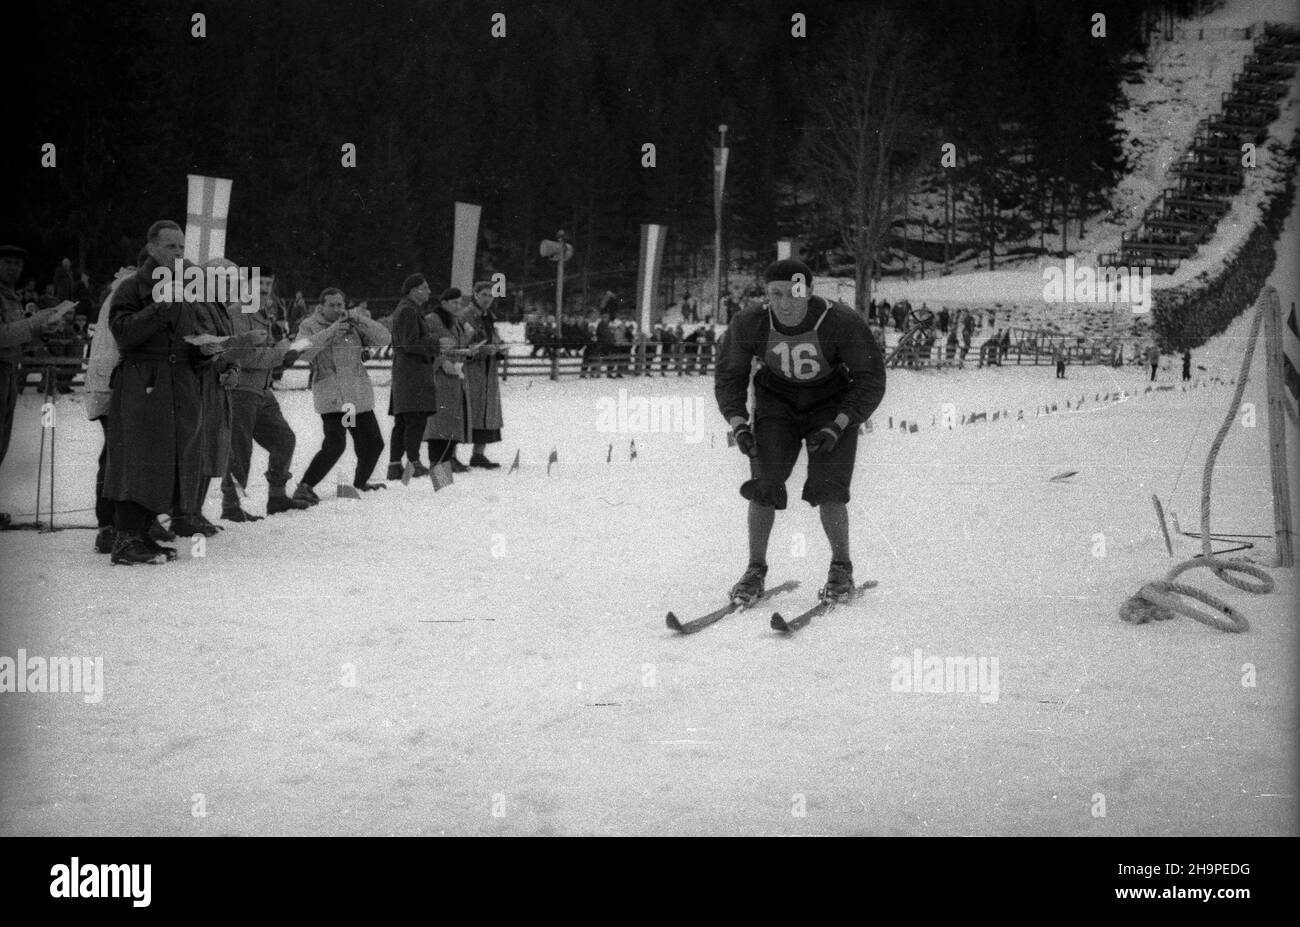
column 450, row 293
column 13, row 251
column 786, row 270
column 412, row 282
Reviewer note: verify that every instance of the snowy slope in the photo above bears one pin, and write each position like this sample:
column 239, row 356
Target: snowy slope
column 513, row 676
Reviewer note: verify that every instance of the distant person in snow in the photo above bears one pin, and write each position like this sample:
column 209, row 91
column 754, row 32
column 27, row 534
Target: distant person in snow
column 1153, row 360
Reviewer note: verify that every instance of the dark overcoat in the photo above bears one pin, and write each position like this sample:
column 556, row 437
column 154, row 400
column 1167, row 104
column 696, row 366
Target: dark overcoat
column 154, row 414
column 482, row 377
column 415, row 353
column 451, row 421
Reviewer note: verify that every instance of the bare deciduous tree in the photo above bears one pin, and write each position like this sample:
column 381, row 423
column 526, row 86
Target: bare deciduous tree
column 866, row 136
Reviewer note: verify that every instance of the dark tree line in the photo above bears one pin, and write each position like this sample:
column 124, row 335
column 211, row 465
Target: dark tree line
column 544, row 127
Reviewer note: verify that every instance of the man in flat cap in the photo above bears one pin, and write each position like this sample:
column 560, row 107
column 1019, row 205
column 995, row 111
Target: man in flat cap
column 16, row 329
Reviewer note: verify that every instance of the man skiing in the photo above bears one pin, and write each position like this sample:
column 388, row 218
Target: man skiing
column 822, row 375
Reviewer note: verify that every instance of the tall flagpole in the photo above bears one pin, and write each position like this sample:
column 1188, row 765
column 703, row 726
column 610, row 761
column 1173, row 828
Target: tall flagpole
column 719, row 182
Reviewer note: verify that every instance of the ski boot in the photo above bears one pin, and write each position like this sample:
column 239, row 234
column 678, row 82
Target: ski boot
column 750, row 588
column 839, row 582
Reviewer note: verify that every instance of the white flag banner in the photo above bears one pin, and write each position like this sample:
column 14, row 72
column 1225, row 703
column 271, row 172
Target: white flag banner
column 647, row 275
column 208, row 205
column 465, row 246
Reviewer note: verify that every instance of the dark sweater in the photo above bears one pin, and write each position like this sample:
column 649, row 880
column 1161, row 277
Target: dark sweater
column 858, row 385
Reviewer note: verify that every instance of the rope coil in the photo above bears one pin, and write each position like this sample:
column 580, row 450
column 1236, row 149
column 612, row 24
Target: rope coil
column 1159, row 599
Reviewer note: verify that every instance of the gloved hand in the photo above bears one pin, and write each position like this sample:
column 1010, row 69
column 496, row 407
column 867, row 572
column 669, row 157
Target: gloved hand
column 229, row 376
column 290, row 358
column 825, row 439
column 745, row 440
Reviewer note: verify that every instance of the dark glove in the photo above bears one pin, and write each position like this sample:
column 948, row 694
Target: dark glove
column 825, row 439
column 290, row 358
column 745, row 440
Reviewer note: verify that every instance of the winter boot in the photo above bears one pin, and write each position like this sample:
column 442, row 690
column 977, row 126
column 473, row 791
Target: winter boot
column 240, row 515
column 839, row 582
column 481, row 461
column 305, row 493
column 419, row 471
column 282, row 503
column 750, row 588
column 368, row 487
column 169, row 553
column 186, row 525
column 131, row 549
column 104, row 539
column 458, row 467
column 158, row 532
column 395, row 469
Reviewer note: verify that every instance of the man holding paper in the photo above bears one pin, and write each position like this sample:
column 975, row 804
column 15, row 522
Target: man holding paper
column 256, row 415
column 15, row 331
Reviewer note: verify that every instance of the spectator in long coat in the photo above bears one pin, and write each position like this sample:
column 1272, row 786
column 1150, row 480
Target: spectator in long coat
column 482, row 380
column 414, row 395
column 217, row 374
column 450, row 425
column 154, row 416
column 99, row 372
column 1153, row 360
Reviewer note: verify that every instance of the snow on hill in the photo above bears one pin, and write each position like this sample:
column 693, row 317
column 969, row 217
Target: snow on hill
column 1183, row 83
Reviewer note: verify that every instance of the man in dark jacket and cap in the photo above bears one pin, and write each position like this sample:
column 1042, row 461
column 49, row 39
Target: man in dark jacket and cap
column 413, row 397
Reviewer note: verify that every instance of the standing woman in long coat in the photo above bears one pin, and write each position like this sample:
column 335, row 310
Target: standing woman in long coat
column 482, row 377
column 450, row 425
column 413, row 397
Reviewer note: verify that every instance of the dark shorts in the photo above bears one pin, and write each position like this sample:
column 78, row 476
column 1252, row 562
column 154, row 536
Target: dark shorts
column 779, row 433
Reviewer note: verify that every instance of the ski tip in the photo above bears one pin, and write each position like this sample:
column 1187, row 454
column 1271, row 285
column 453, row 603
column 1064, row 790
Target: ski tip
column 672, row 622
column 778, row 623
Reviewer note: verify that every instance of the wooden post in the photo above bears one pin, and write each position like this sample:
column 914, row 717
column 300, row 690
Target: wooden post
column 559, row 307
column 1272, row 309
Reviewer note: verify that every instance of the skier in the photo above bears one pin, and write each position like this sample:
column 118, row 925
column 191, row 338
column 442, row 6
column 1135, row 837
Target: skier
column 822, row 375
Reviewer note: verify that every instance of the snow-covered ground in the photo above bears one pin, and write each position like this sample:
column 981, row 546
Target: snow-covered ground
column 510, row 672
